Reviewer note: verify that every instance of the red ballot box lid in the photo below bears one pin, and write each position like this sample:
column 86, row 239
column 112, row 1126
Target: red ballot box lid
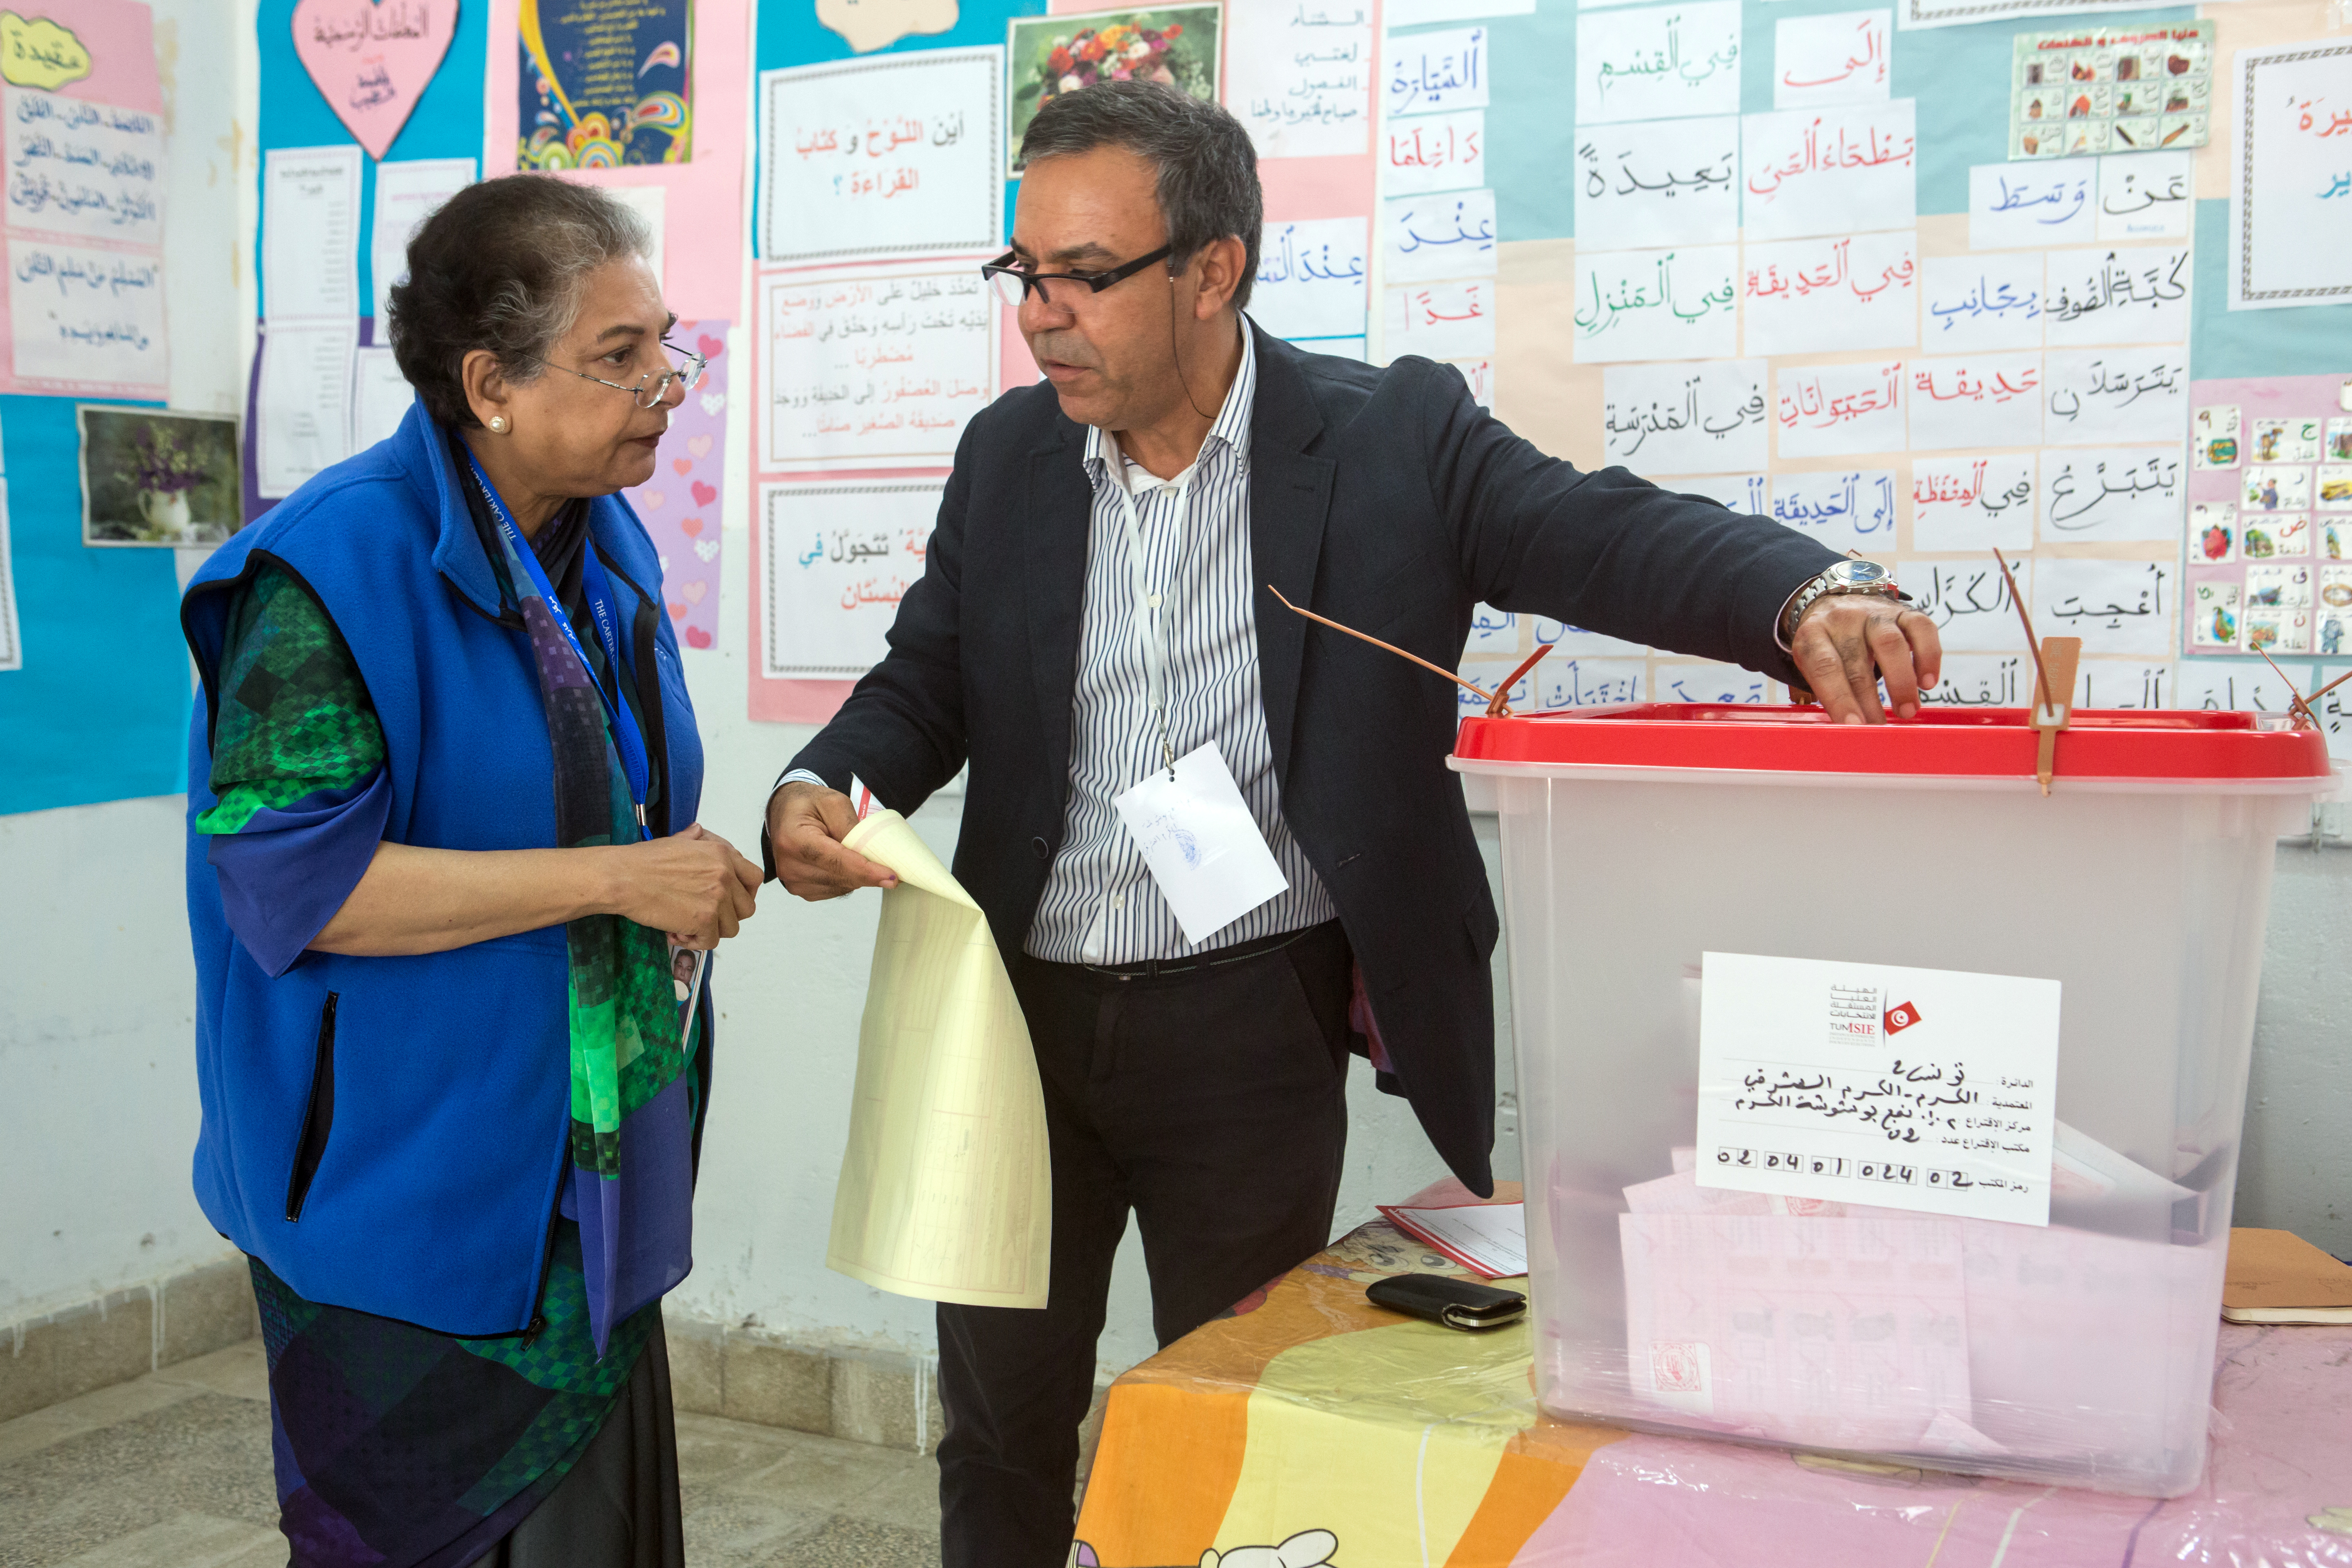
column 2179, row 744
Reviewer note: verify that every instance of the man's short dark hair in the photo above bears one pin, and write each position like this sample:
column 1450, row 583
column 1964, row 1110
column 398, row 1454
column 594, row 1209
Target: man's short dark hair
column 1208, row 185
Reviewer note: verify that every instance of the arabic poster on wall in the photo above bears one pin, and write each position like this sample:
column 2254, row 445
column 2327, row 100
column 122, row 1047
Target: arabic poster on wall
column 604, row 83
column 2268, row 532
column 1313, row 285
column 1300, row 76
column 871, row 368
column 834, row 561
column 2089, row 91
column 2291, row 203
column 371, row 61
column 680, row 505
column 1046, row 57
column 83, row 222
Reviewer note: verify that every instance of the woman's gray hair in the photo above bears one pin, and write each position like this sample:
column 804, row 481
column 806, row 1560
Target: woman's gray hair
column 501, row 266
column 1208, row 185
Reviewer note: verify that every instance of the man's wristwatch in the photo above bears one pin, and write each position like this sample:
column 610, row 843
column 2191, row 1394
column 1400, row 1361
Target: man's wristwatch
column 1842, row 577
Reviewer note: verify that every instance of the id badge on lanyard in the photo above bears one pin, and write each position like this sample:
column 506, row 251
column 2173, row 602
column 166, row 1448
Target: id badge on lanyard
column 1199, row 841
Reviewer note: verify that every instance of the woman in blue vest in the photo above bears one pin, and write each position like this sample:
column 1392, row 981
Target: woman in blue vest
column 442, row 847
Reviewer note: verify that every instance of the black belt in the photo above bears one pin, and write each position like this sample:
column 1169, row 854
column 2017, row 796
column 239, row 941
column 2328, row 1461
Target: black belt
column 1153, row 968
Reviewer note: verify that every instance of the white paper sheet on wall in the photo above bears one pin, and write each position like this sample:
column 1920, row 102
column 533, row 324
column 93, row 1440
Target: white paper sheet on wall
column 78, row 314
column 1431, row 73
column 311, row 233
column 1451, row 235
column 2113, row 394
column 1976, row 400
column 1832, row 292
column 1969, row 602
column 2115, row 607
column 1441, row 320
column 894, row 155
column 2015, row 206
column 1850, row 509
column 1974, row 504
column 2113, row 494
column 1687, row 418
column 380, row 396
column 1657, row 181
column 1829, row 171
column 834, row 561
column 872, row 368
column 1300, row 77
column 303, row 402
column 1657, row 304
column 12, row 646
column 1844, row 410
column 407, row 191
column 1820, row 62
column 1433, row 152
column 1313, row 279
column 2133, row 295
column 2291, row 203
column 1657, row 63
column 2146, row 195
column 83, row 170
column 1976, row 302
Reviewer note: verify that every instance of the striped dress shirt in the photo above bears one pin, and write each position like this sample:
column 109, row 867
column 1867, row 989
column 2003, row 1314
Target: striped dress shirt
column 1100, row 904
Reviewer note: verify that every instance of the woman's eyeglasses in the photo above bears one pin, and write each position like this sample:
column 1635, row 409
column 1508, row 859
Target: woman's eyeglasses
column 1015, row 283
column 650, row 388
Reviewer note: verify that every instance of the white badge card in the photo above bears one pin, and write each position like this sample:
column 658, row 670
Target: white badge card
column 1917, row 1089
column 1201, row 843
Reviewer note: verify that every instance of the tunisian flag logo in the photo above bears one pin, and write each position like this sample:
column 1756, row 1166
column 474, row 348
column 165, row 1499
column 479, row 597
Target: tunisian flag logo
column 1901, row 1016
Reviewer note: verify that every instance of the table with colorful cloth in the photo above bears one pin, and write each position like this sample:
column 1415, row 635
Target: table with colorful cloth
column 1309, row 1427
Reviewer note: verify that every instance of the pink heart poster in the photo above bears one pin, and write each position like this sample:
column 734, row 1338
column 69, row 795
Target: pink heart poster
column 370, row 59
column 680, row 505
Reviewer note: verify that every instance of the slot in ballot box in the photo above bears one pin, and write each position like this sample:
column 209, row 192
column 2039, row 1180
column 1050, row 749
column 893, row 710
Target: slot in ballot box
column 1873, row 1101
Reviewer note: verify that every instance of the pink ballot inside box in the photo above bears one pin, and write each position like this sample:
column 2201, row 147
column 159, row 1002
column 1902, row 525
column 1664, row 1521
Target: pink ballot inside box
column 1947, row 1179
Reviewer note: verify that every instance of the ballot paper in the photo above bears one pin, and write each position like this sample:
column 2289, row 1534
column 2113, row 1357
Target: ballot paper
column 1918, row 1089
column 946, row 1189
column 1488, row 1239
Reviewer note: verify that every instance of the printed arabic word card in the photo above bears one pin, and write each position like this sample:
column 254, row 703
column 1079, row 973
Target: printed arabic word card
column 1912, row 1089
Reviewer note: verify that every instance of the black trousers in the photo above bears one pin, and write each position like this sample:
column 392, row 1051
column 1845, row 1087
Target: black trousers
column 1213, row 1104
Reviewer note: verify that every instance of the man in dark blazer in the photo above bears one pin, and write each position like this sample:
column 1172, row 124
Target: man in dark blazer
column 1098, row 601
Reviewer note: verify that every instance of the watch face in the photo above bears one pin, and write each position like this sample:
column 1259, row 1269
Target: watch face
column 1860, row 571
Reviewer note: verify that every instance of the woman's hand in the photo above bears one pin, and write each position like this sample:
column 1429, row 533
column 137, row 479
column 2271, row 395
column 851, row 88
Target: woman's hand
column 692, row 885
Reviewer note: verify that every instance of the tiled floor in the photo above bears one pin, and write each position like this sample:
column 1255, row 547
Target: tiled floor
column 172, row 1471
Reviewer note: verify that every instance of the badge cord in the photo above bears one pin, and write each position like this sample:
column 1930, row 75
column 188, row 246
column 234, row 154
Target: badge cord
column 1146, row 609
column 598, row 589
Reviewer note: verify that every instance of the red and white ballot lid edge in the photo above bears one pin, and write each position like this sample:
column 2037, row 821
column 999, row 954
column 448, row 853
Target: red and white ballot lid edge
column 2150, row 748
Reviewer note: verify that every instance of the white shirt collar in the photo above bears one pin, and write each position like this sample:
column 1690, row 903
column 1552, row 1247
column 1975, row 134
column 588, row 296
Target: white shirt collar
column 1232, row 427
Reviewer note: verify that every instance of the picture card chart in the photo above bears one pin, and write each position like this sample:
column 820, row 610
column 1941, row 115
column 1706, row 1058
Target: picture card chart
column 83, row 222
column 835, row 559
column 2269, row 531
column 1931, row 1089
column 2090, row 90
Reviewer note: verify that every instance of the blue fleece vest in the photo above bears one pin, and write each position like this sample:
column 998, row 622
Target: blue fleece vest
column 443, row 1082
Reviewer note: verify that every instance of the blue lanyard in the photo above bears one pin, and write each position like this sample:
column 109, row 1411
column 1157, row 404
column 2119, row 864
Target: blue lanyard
column 627, row 737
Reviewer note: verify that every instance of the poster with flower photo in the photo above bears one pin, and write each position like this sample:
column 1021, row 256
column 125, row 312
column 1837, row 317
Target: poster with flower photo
column 1048, row 55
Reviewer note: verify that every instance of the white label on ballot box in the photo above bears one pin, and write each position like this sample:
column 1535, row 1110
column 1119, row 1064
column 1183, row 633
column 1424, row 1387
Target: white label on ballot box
column 1201, row 843
column 1915, row 1089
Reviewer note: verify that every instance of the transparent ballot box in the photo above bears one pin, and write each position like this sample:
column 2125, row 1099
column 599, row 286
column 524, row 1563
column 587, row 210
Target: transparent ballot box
column 1874, row 1101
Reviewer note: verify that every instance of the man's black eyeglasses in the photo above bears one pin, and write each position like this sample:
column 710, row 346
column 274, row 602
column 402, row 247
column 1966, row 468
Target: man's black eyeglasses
column 1015, row 283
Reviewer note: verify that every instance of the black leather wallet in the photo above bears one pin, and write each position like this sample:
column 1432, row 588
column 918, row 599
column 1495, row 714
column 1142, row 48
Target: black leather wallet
column 1457, row 1303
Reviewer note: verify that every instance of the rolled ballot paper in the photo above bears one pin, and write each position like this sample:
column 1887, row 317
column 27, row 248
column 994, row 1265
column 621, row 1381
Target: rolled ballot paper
column 946, row 1188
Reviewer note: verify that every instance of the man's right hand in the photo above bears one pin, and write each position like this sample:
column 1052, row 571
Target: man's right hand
column 806, row 824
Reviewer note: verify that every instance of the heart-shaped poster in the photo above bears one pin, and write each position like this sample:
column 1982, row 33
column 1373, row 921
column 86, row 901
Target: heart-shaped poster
column 690, row 527
column 699, row 445
column 370, row 59
column 710, row 347
column 694, row 591
column 703, row 494
column 683, row 465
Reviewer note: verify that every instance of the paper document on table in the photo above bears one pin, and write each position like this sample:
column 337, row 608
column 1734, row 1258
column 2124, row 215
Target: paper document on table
column 946, row 1189
column 1915, row 1088
column 1486, row 1238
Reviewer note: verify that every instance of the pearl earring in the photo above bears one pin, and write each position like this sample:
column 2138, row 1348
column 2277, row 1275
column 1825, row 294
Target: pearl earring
column 498, row 423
